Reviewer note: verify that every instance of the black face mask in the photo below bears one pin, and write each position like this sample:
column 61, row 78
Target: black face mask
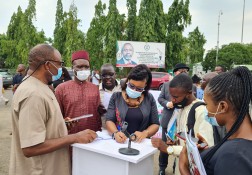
column 181, row 104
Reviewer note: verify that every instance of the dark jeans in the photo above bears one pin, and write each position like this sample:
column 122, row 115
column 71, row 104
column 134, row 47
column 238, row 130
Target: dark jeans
column 163, row 157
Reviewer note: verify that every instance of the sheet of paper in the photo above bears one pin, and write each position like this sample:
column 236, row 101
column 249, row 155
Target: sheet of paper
column 195, row 162
column 106, row 99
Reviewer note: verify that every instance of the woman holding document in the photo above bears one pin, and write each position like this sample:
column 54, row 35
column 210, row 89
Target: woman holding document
column 134, row 106
column 228, row 98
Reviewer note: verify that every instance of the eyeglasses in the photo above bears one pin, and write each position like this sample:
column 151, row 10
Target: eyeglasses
column 183, row 70
column 61, row 62
column 108, row 75
column 131, row 86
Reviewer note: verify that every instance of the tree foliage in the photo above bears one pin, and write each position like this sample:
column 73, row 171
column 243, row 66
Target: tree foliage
column 114, row 27
column 22, row 35
column 196, row 42
column 151, row 21
column 229, row 55
column 178, row 18
column 95, row 36
column 132, row 19
column 59, row 31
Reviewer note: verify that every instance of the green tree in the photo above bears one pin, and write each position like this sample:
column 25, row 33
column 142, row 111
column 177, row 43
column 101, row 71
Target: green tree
column 196, row 42
column 113, row 32
column 234, row 53
column 74, row 37
column 3, row 55
column 151, row 25
column 210, row 60
column 22, row 35
column 132, row 19
column 95, row 36
column 59, row 32
column 178, row 18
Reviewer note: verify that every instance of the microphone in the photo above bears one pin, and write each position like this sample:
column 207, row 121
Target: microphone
column 132, row 137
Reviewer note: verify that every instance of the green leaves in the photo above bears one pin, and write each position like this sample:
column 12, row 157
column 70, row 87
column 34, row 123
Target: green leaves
column 22, row 35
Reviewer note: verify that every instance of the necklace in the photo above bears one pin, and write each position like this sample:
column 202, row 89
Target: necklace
column 132, row 103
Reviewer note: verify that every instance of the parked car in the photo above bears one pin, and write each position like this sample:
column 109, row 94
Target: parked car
column 158, row 79
column 7, row 78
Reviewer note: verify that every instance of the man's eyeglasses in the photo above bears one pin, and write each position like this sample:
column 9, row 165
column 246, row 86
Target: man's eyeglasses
column 131, row 86
column 61, row 62
column 183, row 70
column 108, row 75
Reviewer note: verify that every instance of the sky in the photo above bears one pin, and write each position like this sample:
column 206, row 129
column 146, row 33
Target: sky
column 204, row 15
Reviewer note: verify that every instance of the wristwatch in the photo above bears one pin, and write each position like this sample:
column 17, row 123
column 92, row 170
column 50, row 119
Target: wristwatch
column 170, row 150
column 113, row 135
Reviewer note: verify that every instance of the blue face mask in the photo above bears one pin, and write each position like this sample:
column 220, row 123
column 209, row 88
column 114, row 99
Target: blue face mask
column 132, row 93
column 56, row 77
column 210, row 119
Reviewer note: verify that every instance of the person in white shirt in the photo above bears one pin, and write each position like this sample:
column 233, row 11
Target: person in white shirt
column 180, row 90
column 96, row 78
column 2, row 98
column 108, row 84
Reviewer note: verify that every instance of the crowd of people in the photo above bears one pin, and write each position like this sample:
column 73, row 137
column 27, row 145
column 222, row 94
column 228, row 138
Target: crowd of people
column 217, row 108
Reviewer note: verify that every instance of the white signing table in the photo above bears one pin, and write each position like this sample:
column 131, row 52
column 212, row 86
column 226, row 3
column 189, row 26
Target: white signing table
column 101, row 157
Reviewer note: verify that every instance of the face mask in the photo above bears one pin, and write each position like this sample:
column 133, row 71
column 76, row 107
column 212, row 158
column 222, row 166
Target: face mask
column 212, row 120
column 132, row 93
column 83, row 75
column 56, row 77
column 181, row 104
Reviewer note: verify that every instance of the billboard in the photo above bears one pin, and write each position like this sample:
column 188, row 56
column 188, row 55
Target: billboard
column 131, row 53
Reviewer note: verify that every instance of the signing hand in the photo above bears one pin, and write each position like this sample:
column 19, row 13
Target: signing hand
column 86, row 136
column 140, row 136
column 120, row 137
column 159, row 144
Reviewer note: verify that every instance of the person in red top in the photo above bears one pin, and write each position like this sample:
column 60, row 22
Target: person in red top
column 79, row 96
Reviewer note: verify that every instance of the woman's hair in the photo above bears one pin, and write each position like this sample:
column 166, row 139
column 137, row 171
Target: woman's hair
column 139, row 73
column 236, row 88
column 66, row 74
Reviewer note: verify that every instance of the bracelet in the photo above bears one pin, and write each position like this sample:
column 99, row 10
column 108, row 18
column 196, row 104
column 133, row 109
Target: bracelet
column 113, row 135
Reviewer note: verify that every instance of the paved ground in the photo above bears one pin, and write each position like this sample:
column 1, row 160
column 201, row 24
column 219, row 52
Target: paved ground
column 5, row 138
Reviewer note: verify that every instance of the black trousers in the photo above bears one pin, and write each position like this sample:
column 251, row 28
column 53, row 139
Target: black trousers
column 163, row 157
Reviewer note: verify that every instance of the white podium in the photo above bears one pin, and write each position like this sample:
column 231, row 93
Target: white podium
column 101, row 157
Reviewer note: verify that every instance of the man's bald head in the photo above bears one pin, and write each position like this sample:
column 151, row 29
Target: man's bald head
column 206, row 78
column 39, row 54
column 21, row 68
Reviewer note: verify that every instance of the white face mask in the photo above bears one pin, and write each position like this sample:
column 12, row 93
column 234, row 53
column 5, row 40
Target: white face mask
column 83, row 75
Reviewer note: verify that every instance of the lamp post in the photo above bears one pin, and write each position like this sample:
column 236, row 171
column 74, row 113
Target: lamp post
column 217, row 49
column 243, row 21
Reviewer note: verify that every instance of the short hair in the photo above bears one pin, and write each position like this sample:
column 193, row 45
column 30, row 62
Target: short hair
column 196, row 79
column 182, row 81
column 236, row 88
column 139, row 73
column 107, row 65
column 222, row 68
column 39, row 54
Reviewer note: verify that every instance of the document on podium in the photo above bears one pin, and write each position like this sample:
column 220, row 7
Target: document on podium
column 195, row 162
column 106, row 99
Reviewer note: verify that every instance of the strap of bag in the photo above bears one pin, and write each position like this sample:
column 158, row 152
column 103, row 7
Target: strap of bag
column 191, row 116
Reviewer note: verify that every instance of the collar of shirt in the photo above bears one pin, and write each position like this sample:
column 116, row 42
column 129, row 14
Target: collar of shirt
column 115, row 89
column 126, row 61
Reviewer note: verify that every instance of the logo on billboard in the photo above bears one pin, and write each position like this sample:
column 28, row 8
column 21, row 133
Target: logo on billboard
column 147, row 47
